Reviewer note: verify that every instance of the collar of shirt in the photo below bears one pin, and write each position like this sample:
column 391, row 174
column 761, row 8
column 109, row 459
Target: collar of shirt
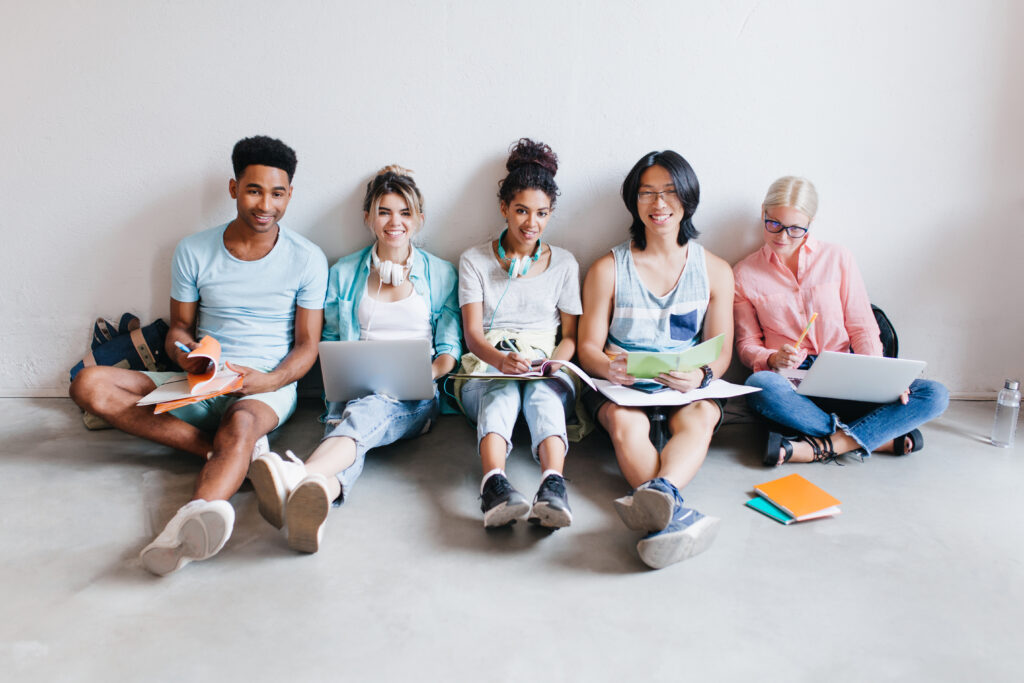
column 809, row 246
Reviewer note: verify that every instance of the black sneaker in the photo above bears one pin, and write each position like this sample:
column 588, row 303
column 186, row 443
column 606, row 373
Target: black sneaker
column 551, row 504
column 500, row 503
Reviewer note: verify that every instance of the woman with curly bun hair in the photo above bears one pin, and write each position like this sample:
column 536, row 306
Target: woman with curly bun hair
column 520, row 300
column 389, row 290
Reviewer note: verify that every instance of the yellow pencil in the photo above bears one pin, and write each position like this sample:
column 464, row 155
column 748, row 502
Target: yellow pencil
column 804, row 333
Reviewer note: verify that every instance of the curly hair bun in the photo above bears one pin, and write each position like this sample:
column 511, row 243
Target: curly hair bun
column 526, row 151
column 395, row 169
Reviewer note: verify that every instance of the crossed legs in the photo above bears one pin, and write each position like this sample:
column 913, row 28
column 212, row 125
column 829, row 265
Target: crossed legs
column 111, row 393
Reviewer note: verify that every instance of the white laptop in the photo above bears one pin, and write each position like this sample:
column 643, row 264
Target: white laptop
column 854, row 377
column 398, row 368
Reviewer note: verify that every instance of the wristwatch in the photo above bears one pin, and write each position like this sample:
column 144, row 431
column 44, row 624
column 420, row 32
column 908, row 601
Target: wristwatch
column 708, row 376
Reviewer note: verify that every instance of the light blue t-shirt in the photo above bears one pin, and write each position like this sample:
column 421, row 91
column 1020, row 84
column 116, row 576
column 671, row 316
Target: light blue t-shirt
column 249, row 306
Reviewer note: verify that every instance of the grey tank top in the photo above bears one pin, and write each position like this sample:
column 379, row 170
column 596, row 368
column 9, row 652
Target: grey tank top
column 642, row 321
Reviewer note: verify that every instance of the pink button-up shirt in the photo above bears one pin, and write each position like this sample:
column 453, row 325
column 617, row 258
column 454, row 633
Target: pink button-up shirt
column 772, row 306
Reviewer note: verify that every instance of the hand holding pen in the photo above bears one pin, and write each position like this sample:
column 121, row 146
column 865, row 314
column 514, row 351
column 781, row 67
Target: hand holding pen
column 790, row 355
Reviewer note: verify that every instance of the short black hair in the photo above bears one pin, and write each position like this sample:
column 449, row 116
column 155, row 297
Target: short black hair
column 261, row 150
column 531, row 166
column 687, row 188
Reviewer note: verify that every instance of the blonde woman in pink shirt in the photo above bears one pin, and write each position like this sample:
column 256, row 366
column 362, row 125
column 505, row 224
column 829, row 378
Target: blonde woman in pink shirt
column 777, row 289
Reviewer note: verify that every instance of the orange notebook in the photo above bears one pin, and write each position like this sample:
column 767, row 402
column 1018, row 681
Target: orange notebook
column 196, row 386
column 798, row 497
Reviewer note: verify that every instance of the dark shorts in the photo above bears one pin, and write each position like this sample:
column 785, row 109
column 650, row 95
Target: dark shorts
column 593, row 400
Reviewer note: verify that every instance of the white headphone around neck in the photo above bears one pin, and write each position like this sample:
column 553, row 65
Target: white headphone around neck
column 391, row 273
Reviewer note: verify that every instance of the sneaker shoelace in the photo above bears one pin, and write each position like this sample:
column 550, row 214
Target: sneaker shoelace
column 501, row 485
column 554, row 485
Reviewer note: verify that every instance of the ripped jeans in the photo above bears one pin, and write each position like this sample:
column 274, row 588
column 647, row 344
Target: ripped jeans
column 376, row 420
column 871, row 425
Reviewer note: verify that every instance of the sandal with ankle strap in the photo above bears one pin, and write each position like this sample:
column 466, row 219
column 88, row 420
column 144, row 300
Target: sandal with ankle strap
column 824, row 451
column 776, row 441
column 899, row 445
column 821, row 446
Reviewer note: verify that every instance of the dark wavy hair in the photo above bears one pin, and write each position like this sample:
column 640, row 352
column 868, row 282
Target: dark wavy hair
column 261, row 150
column 531, row 166
column 687, row 188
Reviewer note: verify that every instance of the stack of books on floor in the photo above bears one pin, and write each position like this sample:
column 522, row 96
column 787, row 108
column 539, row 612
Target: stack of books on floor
column 793, row 499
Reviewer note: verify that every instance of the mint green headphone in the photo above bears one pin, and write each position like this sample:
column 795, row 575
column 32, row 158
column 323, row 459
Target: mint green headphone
column 519, row 266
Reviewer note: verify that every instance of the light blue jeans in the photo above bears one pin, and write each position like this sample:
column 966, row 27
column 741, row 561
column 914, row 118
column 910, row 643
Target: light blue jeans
column 494, row 404
column 869, row 424
column 376, row 420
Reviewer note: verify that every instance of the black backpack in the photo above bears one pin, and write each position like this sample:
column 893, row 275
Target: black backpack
column 887, row 333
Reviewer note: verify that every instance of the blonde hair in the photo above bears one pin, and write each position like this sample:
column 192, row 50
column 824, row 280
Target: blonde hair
column 393, row 179
column 795, row 193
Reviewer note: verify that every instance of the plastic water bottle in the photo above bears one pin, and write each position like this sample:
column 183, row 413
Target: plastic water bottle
column 1007, row 407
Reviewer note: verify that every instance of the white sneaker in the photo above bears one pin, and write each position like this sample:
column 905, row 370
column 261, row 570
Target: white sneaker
column 262, row 446
column 308, row 505
column 196, row 532
column 274, row 478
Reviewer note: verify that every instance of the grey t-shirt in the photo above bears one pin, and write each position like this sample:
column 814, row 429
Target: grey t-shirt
column 531, row 303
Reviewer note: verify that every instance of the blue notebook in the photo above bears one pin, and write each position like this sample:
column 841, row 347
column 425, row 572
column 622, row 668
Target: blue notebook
column 765, row 507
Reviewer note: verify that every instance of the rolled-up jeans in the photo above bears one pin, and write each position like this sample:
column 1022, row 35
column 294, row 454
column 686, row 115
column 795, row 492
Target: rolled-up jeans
column 376, row 420
column 871, row 425
column 494, row 404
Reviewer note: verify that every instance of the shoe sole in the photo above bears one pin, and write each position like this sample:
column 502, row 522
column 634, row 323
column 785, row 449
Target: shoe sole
column 269, row 492
column 666, row 549
column 548, row 516
column 646, row 510
column 198, row 539
column 506, row 513
column 307, row 511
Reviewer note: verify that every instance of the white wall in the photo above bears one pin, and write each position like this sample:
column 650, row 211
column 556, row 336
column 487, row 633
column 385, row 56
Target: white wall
column 119, row 117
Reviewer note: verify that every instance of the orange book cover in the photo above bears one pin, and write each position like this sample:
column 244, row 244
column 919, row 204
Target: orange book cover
column 196, row 386
column 797, row 496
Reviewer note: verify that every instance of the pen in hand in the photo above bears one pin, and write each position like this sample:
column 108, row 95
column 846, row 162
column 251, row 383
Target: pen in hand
column 804, row 333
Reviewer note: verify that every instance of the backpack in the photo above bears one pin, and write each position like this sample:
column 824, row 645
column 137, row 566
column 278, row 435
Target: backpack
column 125, row 345
column 886, row 333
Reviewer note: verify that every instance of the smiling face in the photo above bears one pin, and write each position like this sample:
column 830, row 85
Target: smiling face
column 781, row 243
column 526, row 215
column 394, row 223
column 657, row 202
column 261, row 195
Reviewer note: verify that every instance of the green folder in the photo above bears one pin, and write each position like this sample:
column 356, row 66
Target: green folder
column 649, row 364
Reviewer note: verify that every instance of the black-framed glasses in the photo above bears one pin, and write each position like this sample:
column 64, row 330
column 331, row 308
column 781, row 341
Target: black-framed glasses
column 775, row 227
column 649, row 197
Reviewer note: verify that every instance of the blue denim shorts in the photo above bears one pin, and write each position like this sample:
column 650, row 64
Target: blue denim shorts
column 206, row 415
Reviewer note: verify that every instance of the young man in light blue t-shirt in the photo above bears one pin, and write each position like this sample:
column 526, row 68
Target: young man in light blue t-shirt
column 259, row 290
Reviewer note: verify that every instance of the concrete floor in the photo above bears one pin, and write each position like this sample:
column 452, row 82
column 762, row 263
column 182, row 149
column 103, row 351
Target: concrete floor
column 921, row 577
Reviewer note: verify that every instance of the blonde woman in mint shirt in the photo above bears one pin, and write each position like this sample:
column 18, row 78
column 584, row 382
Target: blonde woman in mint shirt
column 389, row 290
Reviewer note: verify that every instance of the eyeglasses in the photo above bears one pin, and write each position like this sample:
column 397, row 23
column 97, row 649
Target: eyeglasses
column 775, row 227
column 647, row 197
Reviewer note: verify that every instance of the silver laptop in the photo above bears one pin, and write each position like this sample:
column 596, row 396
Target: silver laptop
column 399, row 368
column 853, row 377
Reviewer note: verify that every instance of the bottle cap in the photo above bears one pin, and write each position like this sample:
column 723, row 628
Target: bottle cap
column 1011, row 384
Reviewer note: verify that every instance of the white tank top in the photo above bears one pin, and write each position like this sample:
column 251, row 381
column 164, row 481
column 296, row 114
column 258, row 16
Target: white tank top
column 387, row 320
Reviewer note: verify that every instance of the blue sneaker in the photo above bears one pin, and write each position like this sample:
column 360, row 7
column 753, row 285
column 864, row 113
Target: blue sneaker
column 688, row 534
column 650, row 506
